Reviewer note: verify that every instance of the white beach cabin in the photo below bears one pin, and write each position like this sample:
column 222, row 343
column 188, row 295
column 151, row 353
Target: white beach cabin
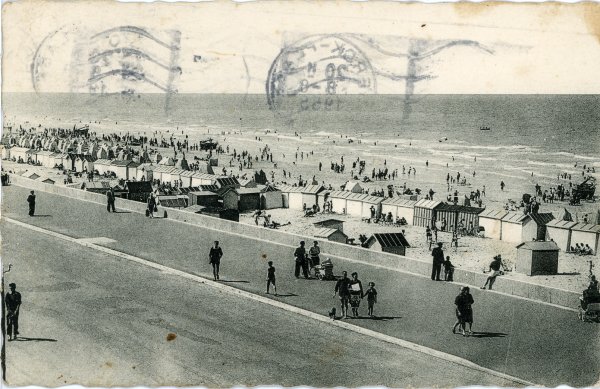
column 560, row 232
column 399, row 207
column 586, row 234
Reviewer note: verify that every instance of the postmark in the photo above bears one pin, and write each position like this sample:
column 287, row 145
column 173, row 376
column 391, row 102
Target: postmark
column 124, row 60
column 312, row 73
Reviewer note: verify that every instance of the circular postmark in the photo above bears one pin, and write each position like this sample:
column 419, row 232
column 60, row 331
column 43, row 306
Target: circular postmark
column 312, row 74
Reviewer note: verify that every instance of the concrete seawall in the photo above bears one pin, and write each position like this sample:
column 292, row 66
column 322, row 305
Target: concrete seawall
column 503, row 284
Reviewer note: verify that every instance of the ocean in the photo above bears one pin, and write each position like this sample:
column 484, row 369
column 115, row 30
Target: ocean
column 542, row 133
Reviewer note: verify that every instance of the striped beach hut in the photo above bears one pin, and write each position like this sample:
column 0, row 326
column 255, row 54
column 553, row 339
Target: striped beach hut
column 425, row 212
column 457, row 214
column 583, row 233
column 399, row 207
column 560, row 232
column 491, row 221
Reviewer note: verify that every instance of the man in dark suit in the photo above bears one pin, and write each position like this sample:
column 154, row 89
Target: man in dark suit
column 301, row 262
column 13, row 303
column 438, row 259
column 215, row 259
column 110, row 200
column 31, row 201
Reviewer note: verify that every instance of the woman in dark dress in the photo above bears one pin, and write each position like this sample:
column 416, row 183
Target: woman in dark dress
column 464, row 312
column 151, row 205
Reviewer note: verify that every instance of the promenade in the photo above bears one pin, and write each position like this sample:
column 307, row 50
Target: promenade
column 536, row 342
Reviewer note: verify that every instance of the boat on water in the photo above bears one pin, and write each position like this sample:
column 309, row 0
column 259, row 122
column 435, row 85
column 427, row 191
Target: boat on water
column 484, row 128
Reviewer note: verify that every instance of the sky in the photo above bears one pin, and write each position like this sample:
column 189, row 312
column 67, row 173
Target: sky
column 223, row 47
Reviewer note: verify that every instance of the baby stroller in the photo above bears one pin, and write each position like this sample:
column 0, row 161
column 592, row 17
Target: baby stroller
column 324, row 271
column 590, row 305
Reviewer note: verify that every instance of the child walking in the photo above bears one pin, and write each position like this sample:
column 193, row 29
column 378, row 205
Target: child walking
column 371, row 295
column 271, row 277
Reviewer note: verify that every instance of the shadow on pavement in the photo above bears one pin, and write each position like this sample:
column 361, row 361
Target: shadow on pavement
column 121, row 212
column 236, row 281
column 488, row 335
column 568, row 274
column 286, row 295
column 42, row 215
column 25, row 339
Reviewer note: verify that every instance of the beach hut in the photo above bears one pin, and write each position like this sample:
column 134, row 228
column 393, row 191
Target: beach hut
column 31, row 175
column 394, row 243
column 368, row 203
column 138, row 190
column 227, row 182
column 424, row 213
column 5, row 151
column 144, row 172
column 331, row 234
column 123, row 168
column 330, row 223
column 537, row 258
column 399, row 207
column 186, row 178
column 176, row 201
column 102, row 166
column 353, row 186
column 249, row 199
column 454, row 215
column 203, row 198
column 583, row 233
column 172, row 176
column 309, row 195
column 228, row 197
column 541, row 220
column 100, row 187
column 84, row 163
column 19, row 153
column 157, row 172
column 45, row 158
column 559, row 231
column 199, row 179
column 46, row 180
column 338, row 201
column 491, row 221
column 270, row 198
column 58, row 159
column 518, row 227
column 247, row 183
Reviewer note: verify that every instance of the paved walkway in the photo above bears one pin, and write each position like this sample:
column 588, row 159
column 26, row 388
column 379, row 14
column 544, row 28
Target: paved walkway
column 532, row 341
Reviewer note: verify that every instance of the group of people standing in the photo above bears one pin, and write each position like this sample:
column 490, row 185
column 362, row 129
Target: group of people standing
column 350, row 292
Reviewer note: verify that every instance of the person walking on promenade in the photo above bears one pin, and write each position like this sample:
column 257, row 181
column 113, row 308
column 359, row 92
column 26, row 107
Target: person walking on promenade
column 110, row 200
column 495, row 267
column 151, row 205
column 314, row 253
column 342, row 290
column 448, row 270
column 215, row 259
column 356, row 293
column 300, row 255
column 271, row 277
column 31, row 201
column 438, row 259
column 13, row 304
column 371, row 295
column 464, row 311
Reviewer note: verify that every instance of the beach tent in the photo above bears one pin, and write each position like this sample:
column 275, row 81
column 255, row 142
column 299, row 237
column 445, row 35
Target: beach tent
column 270, row 197
column 331, row 234
column 393, row 243
column 537, row 258
column 425, row 212
column 353, row 186
column 338, row 201
column 399, row 207
column 565, row 215
column 330, row 223
column 559, row 231
column 491, row 221
column 518, row 227
column 249, row 199
column 586, row 234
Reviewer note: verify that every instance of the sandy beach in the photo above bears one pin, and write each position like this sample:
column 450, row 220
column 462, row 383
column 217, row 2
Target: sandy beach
column 299, row 157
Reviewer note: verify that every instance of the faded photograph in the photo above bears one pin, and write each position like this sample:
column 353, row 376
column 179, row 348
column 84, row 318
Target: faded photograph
column 326, row 194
